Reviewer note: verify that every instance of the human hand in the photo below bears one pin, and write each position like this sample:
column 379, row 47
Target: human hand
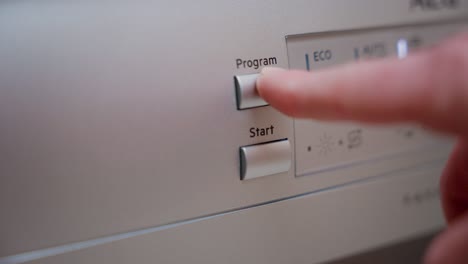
column 429, row 87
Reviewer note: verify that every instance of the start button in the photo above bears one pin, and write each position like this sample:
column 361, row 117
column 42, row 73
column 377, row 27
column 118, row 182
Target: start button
column 265, row 159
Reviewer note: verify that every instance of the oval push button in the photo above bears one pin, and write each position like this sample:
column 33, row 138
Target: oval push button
column 265, row 159
column 246, row 92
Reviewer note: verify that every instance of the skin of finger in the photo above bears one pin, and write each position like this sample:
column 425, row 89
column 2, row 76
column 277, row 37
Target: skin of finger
column 352, row 91
column 450, row 247
column 430, row 87
column 454, row 183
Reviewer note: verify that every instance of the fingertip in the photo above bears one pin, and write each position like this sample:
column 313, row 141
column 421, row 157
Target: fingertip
column 273, row 87
column 271, row 70
column 266, row 81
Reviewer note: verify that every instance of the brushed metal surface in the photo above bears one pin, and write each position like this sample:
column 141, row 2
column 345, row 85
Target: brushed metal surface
column 265, row 159
column 119, row 116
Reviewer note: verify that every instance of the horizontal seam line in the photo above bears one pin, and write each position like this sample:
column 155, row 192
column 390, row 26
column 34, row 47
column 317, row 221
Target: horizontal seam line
column 76, row 246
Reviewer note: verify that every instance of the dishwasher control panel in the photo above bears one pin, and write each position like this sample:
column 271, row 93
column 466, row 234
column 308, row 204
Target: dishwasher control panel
column 321, row 146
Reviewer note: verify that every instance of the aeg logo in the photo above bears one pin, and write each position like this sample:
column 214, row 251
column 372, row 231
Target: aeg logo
column 434, row 4
column 419, row 197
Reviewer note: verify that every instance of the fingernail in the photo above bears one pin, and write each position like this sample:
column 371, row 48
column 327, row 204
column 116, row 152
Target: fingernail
column 265, row 72
column 271, row 70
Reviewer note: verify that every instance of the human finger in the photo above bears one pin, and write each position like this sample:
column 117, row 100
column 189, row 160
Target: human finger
column 451, row 246
column 454, row 183
column 430, row 87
